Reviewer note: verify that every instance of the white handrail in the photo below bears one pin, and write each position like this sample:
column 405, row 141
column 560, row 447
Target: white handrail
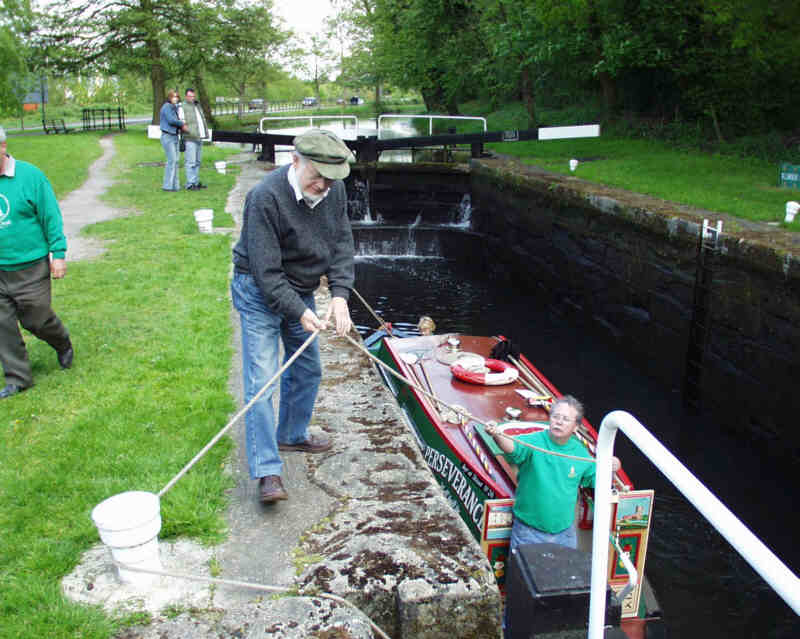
column 310, row 118
column 761, row 558
column 430, row 118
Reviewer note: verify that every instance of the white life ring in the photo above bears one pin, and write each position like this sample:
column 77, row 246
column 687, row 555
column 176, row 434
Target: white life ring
column 487, row 372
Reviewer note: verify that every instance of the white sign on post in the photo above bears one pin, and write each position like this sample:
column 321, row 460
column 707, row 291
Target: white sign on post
column 565, row 132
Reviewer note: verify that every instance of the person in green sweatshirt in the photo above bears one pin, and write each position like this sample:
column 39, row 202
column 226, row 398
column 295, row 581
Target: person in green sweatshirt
column 547, row 492
column 32, row 250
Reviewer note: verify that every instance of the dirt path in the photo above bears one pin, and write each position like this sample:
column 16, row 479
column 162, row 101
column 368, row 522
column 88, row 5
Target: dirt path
column 83, row 207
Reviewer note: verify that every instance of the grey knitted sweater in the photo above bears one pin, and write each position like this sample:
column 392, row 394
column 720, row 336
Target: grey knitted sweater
column 286, row 246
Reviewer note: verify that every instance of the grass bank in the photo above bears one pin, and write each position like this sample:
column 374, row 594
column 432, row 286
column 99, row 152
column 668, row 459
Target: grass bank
column 149, row 387
column 65, row 159
column 737, row 178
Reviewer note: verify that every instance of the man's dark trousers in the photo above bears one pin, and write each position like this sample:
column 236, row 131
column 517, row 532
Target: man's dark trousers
column 25, row 297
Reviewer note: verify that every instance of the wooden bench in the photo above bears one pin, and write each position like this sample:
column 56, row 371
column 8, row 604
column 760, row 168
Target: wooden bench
column 54, row 126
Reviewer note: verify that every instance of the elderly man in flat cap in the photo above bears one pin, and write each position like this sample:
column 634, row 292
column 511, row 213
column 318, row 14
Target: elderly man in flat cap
column 32, row 250
column 294, row 230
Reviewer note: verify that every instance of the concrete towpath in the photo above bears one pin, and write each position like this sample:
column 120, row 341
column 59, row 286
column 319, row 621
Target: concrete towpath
column 364, row 521
column 83, row 207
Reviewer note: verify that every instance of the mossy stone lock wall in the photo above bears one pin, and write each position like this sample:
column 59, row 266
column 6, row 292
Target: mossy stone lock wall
column 627, row 265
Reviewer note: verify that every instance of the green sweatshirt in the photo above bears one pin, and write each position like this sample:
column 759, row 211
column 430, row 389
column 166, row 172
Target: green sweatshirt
column 548, row 485
column 30, row 219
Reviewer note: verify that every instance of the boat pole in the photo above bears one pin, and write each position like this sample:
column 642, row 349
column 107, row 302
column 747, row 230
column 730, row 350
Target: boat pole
column 526, row 372
column 383, row 324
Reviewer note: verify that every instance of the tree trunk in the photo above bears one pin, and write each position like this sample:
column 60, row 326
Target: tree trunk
column 157, row 81
column 433, row 98
column 526, row 89
column 607, row 83
column 452, row 106
column 609, row 87
column 717, row 130
column 200, row 87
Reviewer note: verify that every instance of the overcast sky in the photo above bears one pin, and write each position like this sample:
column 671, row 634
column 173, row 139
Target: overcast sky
column 304, row 16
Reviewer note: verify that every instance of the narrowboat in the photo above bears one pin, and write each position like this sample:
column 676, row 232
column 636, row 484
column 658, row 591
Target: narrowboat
column 449, row 387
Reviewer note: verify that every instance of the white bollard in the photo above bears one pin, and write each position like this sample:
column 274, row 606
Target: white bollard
column 791, row 211
column 129, row 524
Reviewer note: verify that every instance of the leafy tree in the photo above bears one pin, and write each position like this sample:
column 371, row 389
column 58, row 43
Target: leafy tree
column 181, row 40
column 113, row 36
column 752, row 69
column 15, row 18
column 353, row 28
column 429, row 45
column 319, row 61
column 234, row 40
column 733, row 61
column 520, row 56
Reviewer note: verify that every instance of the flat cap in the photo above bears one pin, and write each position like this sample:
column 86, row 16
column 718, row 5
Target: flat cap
column 329, row 155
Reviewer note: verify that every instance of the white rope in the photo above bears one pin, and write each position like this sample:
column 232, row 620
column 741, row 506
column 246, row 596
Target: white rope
column 247, row 584
column 236, row 417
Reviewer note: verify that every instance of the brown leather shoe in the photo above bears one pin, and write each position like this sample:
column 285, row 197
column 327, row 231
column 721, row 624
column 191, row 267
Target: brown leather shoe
column 271, row 489
column 314, row 444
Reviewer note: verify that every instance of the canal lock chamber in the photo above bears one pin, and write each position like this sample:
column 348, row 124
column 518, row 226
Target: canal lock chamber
column 624, row 264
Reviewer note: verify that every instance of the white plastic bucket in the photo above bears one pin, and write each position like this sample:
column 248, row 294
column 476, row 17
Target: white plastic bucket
column 791, row 211
column 129, row 524
column 220, row 166
column 204, row 219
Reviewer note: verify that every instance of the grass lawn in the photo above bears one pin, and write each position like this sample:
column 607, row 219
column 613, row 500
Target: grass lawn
column 64, row 159
column 724, row 182
column 149, row 387
column 743, row 187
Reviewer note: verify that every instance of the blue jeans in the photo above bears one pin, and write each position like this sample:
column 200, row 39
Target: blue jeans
column 262, row 331
column 192, row 158
column 521, row 533
column 170, row 144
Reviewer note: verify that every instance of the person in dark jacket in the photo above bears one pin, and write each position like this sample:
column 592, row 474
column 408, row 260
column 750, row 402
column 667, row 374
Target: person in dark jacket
column 171, row 126
column 32, row 250
column 294, row 230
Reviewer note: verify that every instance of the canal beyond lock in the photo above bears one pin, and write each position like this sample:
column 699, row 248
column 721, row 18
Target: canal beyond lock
column 705, row 589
